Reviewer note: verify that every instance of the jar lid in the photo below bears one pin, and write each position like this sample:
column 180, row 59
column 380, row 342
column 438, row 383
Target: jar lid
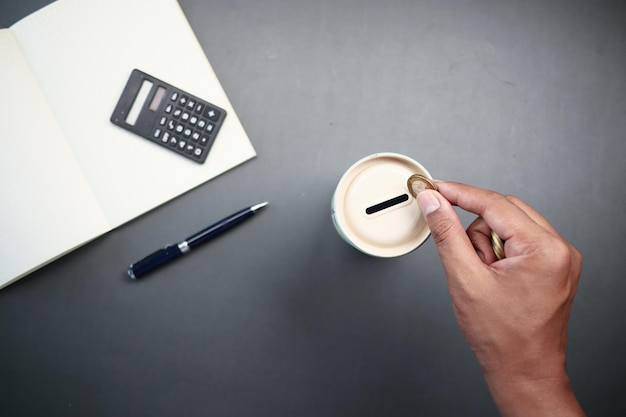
column 373, row 210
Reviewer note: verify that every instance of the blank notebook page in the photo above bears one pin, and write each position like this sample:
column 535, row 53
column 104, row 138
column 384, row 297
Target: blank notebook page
column 47, row 205
column 83, row 53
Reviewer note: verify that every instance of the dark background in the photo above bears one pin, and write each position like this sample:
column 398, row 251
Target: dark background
column 280, row 317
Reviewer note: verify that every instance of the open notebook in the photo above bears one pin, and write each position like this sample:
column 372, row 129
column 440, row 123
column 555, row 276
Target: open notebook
column 67, row 174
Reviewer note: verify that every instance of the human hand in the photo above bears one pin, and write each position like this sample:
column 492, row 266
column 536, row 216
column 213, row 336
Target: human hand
column 514, row 311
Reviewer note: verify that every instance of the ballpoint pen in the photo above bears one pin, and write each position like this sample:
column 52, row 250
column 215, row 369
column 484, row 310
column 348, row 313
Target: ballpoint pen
column 171, row 252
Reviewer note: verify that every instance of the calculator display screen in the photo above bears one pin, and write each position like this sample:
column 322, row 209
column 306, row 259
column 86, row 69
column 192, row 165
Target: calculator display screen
column 158, row 97
column 141, row 97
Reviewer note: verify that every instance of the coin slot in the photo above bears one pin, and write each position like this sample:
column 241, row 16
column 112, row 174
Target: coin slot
column 386, row 204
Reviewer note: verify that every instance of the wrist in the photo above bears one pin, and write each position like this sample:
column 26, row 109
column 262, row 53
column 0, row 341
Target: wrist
column 521, row 395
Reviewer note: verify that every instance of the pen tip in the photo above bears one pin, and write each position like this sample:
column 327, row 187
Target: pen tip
column 259, row 206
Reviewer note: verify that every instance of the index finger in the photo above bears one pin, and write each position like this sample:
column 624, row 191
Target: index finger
column 501, row 214
column 534, row 214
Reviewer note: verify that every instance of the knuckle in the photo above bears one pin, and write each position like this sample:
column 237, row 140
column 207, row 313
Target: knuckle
column 560, row 252
column 494, row 196
column 514, row 199
column 498, row 199
column 577, row 259
column 564, row 256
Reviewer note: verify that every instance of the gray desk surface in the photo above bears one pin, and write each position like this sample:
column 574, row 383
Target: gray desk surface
column 280, row 317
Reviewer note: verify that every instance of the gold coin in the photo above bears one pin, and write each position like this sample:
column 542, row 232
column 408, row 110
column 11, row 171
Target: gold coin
column 498, row 245
column 418, row 183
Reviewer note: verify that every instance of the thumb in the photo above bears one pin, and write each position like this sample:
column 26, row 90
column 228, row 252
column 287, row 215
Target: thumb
column 455, row 249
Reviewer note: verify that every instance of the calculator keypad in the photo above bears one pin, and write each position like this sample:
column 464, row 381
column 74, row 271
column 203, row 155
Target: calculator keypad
column 187, row 126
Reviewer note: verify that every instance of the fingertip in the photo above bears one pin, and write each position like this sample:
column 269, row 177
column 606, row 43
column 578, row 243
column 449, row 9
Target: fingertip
column 428, row 202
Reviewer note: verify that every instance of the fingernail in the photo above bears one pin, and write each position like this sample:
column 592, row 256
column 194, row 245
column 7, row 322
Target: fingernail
column 427, row 202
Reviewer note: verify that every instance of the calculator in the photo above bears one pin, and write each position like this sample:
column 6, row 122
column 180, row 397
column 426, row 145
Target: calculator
column 168, row 116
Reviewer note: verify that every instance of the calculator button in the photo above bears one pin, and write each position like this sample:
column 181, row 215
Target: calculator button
column 163, row 121
column 173, row 141
column 199, row 108
column 182, row 144
column 174, row 96
column 157, row 133
column 171, row 125
column 183, row 100
column 179, row 128
column 185, row 117
column 168, row 108
column 187, row 132
column 177, row 113
column 211, row 114
column 201, row 124
column 191, row 104
column 166, row 137
column 193, row 120
column 210, row 127
column 195, row 136
column 197, row 152
column 189, row 149
column 204, row 140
